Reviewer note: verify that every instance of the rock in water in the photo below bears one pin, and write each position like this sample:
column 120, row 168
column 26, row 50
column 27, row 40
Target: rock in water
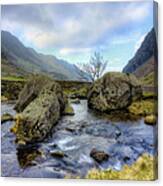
column 99, row 156
column 114, row 91
column 6, row 117
column 150, row 119
column 41, row 103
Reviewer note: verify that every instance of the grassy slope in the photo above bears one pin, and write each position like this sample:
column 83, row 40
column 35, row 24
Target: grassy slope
column 143, row 169
column 148, row 79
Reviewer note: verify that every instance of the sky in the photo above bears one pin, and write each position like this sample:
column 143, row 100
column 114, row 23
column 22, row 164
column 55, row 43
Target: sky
column 74, row 31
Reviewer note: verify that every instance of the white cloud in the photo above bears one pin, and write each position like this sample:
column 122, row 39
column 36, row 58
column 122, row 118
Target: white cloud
column 74, row 25
column 67, row 51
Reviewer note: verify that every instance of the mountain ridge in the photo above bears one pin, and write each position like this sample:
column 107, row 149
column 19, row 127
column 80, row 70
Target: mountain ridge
column 146, row 51
column 27, row 59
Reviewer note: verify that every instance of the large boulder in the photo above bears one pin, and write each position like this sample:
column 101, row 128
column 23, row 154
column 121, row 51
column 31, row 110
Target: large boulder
column 114, row 91
column 33, row 87
column 40, row 104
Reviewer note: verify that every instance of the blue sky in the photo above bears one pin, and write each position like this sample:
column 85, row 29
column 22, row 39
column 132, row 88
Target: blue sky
column 75, row 31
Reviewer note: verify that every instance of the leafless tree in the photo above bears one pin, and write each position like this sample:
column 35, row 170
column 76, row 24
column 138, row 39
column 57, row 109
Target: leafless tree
column 95, row 67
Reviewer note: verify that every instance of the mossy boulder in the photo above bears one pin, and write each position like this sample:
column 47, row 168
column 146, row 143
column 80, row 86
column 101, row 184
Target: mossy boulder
column 114, row 91
column 32, row 89
column 41, row 103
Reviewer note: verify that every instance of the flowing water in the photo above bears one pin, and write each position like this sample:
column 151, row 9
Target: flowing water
column 75, row 136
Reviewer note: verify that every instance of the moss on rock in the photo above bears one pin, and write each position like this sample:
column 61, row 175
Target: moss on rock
column 114, row 91
column 150, row 119
column 41, row 103
column 143, row 107
column 68, row 110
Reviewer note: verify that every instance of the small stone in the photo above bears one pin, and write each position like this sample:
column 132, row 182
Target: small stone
column 126, row 159
column 57, row 154
column 6, row 117
column 117, row 133
column 150, row 119
column 70, row 129
column 21, row 142
column 99, row 156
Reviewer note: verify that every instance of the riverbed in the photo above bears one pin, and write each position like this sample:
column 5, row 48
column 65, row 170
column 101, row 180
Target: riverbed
column 75, row 136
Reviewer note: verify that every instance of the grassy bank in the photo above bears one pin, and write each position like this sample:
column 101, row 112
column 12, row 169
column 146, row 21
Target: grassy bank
column 143, row 169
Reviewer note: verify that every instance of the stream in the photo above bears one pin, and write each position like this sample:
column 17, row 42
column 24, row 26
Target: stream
column 75, row 136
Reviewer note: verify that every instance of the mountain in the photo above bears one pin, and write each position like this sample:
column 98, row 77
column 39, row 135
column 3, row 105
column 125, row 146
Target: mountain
column 20, row 60
column 144, row 63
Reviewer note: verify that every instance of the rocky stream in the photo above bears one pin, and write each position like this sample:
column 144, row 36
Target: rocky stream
column 66, row 151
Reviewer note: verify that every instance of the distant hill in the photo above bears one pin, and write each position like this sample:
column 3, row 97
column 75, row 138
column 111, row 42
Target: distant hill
column 145, row 60
column 18, row 60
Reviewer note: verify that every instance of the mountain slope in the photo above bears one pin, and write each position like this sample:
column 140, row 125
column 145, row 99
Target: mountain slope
column 145, row 59
column 23, row 60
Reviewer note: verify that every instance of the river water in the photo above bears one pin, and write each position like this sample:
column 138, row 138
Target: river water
column 76, row 136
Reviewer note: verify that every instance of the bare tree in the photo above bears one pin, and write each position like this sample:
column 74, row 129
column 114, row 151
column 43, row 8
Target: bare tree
column 95, row 67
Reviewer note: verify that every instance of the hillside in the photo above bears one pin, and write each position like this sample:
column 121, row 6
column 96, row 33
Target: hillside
column 19, row 60
column 145, row 60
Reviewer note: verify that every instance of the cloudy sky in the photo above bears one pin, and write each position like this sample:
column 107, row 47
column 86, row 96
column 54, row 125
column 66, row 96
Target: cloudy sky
column 75, row 31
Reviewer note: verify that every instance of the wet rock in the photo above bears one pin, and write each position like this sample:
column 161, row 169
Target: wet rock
column 57, row 154
column 28, row 157
column 126, row 159
column 150, row 119
column 6, row 117
column 75, row 101
column 99, row 156
column 41, row 108
column 117, row 133
column 70, row 129
column 114, row 91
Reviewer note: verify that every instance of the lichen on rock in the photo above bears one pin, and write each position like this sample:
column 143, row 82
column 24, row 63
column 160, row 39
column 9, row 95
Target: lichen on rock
column 41, row 104
column 114, row 91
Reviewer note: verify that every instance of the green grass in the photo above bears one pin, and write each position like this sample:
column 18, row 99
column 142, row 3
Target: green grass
column 149, row 79
column 12, row 78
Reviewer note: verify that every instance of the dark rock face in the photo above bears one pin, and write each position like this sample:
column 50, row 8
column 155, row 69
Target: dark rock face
column 99, row 156
column 144, row 53
column 41, row 104
column 114, row 91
